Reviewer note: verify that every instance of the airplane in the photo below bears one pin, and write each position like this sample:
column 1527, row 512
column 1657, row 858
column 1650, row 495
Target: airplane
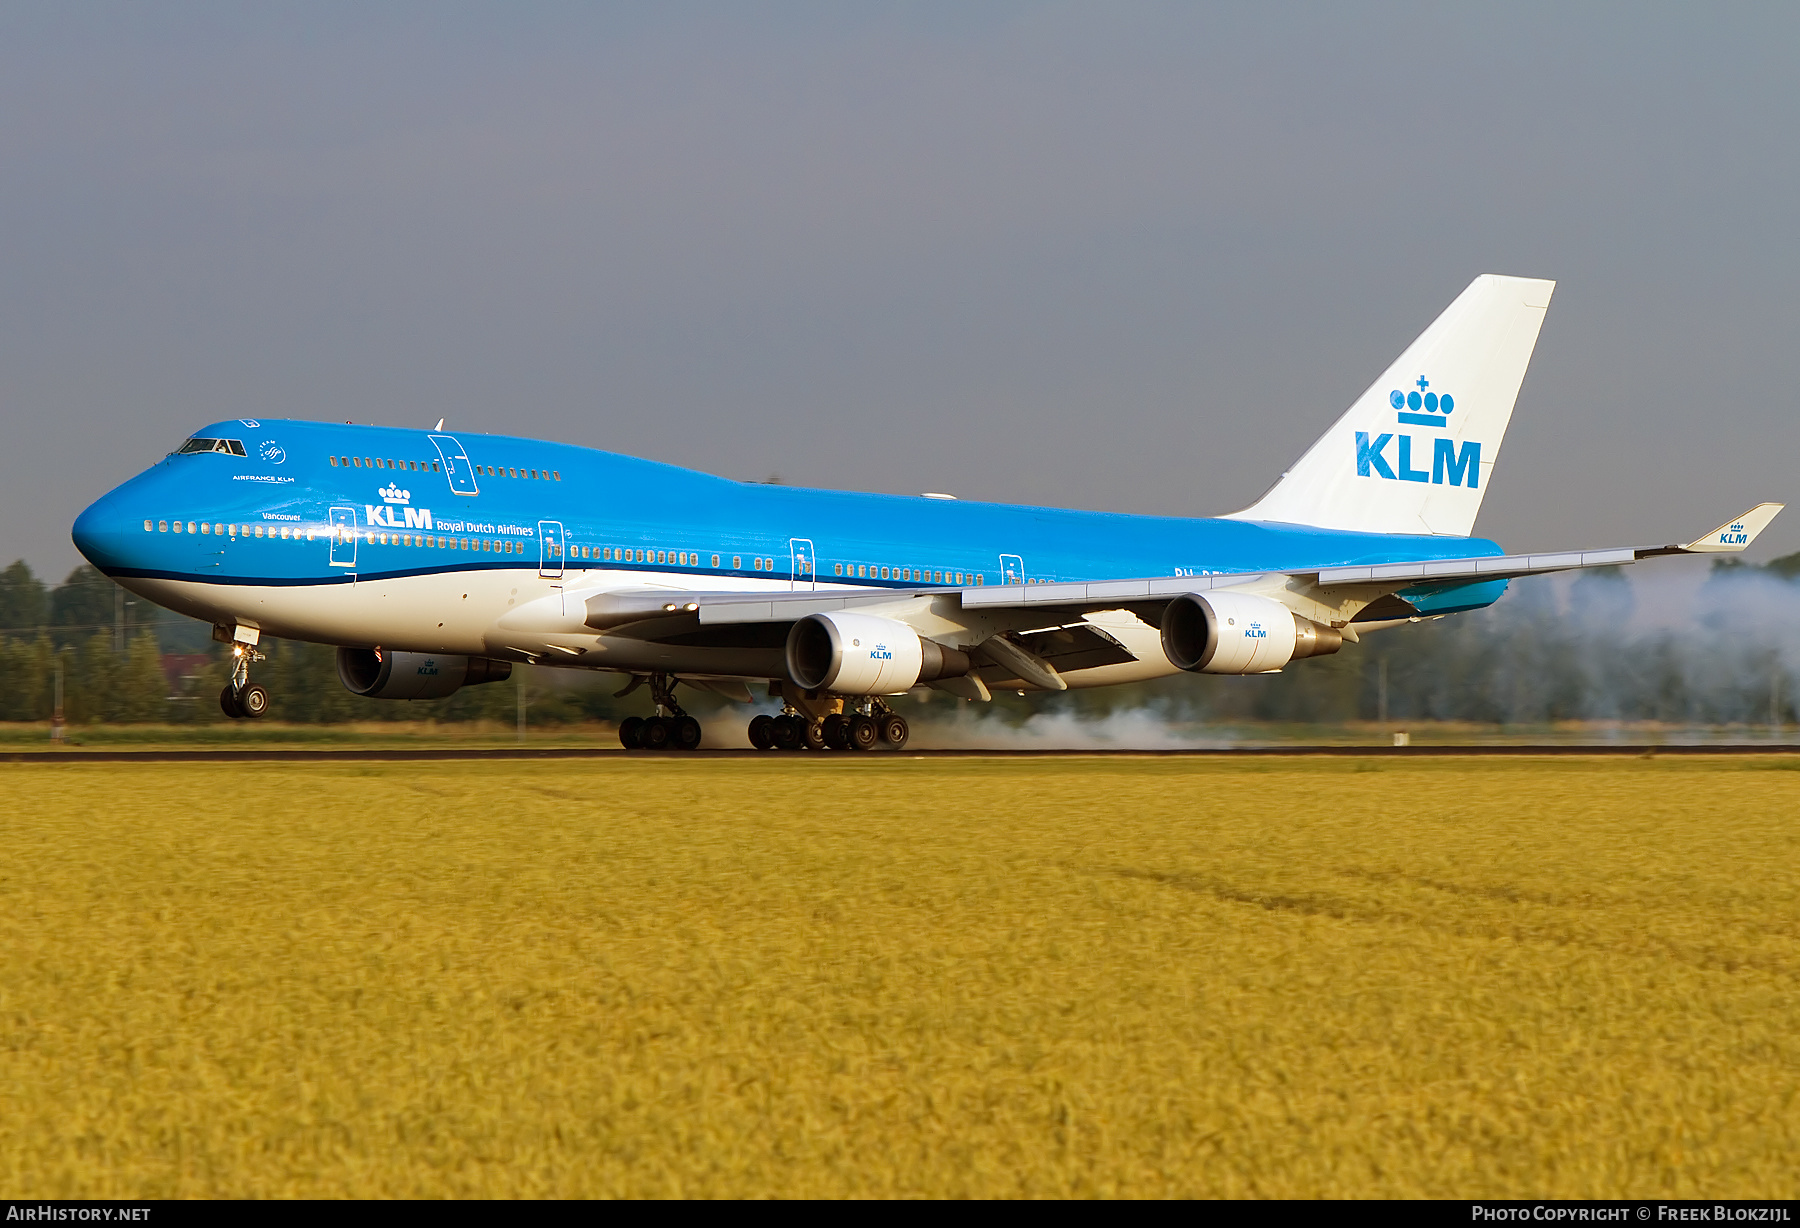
column 435, row 560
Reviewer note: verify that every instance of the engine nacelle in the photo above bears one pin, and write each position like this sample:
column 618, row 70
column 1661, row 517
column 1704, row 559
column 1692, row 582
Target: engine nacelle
column 379, row 673
column 1240, row 633
column 865, row 654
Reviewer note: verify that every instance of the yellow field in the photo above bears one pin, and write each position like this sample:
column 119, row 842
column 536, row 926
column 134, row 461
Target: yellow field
column 894, row 976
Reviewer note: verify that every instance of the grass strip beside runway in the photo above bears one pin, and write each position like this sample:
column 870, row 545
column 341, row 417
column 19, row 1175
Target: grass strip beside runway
column 880, row 976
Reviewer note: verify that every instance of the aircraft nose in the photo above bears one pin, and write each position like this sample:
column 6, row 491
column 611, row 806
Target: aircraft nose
column 103, row 532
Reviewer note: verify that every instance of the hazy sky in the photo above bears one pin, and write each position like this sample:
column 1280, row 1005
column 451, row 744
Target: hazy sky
column 1132, row 257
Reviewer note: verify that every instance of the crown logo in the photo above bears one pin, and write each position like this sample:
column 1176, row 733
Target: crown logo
column 1436, row 408
column 393, row 494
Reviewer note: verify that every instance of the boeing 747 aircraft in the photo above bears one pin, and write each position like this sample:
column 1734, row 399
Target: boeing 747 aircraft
column 436, row 560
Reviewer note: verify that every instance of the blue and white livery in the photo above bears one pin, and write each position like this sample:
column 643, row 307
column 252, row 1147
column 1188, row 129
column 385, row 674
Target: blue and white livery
column 435, row 560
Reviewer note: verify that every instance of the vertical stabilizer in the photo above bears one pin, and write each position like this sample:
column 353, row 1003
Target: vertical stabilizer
column 1414, row 453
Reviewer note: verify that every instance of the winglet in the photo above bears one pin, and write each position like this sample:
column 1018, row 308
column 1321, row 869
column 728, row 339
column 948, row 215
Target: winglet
column 1735, row 535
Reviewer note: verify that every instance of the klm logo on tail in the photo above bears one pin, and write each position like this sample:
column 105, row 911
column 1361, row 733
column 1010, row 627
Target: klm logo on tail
column 1419, row 408
column 1437, row 408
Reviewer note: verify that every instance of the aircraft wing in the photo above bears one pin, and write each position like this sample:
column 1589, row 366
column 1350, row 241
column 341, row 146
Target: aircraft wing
column 1329, row 594
column 1731, row 537
column 628, row 611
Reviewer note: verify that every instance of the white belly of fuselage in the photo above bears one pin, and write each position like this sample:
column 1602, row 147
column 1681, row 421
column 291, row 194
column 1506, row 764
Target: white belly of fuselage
column 480, row 613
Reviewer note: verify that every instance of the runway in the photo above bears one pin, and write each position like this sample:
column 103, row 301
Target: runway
column 450, row 755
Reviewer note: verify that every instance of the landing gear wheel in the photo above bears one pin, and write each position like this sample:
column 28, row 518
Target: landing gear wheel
column 762, row 731
column 656, row 734
column 631, row 732
column 894, row 731
column 228, row 703
column 686, row 734
column 790, row 733
column 863, row 734
column 253, row 700
column 834, row 733
column 813, row 734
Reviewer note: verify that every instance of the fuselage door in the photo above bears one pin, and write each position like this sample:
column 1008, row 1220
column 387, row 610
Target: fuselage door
column 343, row 537
column 1012, row 569
column 550, row 549
column 456, row 465
column 802, row 576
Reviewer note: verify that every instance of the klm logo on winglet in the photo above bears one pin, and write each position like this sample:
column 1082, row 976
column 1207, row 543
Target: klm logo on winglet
column 1736, row 535
column 1461, row 468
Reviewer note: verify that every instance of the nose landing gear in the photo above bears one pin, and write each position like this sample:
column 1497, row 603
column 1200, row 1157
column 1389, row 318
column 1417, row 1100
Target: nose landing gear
column 241, row 697
column 668, row 729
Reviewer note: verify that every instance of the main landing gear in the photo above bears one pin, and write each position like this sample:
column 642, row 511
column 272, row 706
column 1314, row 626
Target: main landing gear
column 870, row 725
column 241, row 697
column 669, row 729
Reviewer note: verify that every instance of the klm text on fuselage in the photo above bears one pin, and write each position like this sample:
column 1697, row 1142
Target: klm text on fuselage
column 1447, row 463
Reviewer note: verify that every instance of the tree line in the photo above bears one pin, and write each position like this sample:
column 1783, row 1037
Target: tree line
column 1544, row 653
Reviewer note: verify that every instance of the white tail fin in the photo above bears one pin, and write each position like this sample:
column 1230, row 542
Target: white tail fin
column 1414, row 453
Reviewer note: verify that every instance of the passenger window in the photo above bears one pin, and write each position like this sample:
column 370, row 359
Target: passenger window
column 737, row 562
column 715, row 562
column 333, row 460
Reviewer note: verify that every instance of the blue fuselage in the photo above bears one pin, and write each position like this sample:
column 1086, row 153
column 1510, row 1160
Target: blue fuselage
column 294, row 503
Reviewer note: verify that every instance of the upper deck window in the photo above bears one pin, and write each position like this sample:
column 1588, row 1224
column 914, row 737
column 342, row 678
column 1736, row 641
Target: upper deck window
column 231, row 447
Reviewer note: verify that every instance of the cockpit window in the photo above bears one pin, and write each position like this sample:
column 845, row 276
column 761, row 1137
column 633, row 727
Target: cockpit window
column 231, row 447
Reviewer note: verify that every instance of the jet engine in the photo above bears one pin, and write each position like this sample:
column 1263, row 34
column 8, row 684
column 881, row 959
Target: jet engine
column 864, row 654
column 1239, row 633
column 379, row 673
